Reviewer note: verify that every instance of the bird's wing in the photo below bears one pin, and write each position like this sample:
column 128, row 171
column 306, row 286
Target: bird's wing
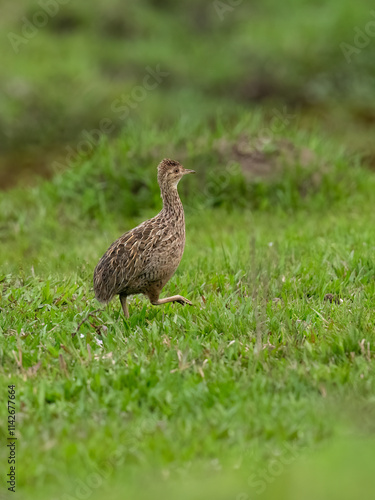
column 126, row 258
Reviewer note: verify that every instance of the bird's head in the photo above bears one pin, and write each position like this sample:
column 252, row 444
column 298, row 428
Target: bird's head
column 170, row 172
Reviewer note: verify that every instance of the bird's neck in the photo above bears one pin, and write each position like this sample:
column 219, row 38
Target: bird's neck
column 171, row 202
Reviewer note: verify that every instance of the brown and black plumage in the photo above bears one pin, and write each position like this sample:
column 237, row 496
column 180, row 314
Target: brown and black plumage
column 144, row 259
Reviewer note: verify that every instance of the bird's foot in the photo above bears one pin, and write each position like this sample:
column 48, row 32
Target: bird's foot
column 184, row 301
column 175, row 298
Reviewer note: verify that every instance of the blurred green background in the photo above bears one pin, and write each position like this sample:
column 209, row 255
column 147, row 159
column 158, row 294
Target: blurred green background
column 87, row 61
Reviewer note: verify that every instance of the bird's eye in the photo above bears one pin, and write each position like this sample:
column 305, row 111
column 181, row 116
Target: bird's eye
column 176, row 170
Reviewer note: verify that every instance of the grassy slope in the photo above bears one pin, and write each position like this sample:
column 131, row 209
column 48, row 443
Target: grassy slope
column 226, row 383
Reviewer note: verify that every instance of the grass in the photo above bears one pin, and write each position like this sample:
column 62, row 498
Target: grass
column 201, row 400
column 263, row 389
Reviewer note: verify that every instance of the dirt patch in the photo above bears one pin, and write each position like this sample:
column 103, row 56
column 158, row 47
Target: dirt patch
column 368, row 160
column 262, row 158
column 24, row 168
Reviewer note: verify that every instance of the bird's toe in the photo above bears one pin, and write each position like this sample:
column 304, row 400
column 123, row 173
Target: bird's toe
column 184, row 301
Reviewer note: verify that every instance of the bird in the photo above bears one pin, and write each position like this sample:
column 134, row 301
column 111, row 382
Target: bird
column 145, row 258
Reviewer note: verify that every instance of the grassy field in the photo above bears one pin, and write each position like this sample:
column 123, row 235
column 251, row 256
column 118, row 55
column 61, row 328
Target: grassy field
column 265, row 388
column 265, row 369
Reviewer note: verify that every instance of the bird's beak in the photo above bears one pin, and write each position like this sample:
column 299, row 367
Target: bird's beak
column 187, row 171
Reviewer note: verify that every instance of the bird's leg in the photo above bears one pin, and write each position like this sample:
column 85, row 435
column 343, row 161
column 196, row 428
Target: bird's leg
column 175, row 298
column 124, row 305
